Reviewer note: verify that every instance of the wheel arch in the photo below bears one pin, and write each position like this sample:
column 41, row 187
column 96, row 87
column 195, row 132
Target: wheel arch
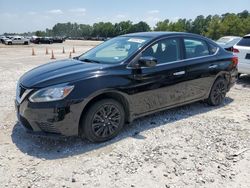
column 115, row 95
column 223, row 74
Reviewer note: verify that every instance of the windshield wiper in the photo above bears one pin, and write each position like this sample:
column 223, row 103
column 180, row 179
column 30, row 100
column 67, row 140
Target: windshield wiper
column 90, row 60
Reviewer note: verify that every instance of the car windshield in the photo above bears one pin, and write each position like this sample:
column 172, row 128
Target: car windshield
column 114, row 50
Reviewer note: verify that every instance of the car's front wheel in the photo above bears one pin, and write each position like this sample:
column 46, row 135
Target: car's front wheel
column 218, row 92
column 103, row 120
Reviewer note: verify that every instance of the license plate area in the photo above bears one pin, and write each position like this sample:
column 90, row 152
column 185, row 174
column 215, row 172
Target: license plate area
column 248, row 56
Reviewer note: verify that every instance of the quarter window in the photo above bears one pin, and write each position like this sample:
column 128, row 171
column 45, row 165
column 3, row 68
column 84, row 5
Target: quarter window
column 195, row 48
column 164, row 51
column 213, row 49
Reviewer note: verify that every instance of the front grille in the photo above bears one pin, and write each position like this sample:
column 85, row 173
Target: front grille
column 47, row 127
column 25, row 123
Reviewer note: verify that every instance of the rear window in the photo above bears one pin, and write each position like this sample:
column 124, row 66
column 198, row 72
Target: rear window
column 244, row 42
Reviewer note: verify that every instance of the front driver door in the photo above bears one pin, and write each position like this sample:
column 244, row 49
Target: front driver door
column 163, row 85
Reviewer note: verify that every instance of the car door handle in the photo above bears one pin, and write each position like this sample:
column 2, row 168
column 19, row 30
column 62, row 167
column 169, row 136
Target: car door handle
column 213, row 66
column 179, row 73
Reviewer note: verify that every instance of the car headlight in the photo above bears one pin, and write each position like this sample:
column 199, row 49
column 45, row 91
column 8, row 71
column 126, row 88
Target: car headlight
column 51, row 94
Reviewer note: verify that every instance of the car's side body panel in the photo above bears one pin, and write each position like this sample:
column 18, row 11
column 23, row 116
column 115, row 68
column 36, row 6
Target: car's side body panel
column 145, row 90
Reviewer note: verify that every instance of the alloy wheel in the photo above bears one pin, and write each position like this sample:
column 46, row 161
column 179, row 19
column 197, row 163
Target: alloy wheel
column 106, row 120
column 219, row 92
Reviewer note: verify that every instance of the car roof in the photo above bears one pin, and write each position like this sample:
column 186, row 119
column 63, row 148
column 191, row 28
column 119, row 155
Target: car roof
column 158, row 34
column 248, row 35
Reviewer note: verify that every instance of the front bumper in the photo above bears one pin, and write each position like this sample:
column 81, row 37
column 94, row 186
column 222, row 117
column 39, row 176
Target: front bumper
column 57, row 118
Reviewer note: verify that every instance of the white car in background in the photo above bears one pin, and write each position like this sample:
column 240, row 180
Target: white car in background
column 242, row 50
column 17, row 40
column 227, row 42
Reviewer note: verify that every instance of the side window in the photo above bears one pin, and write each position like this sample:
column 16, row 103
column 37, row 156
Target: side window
column 245, row 41
column 213, row 49
column 195, row 48
column 164, row 51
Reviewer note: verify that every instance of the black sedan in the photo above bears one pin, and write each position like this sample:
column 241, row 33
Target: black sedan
column 43, row 40
column 124, row 78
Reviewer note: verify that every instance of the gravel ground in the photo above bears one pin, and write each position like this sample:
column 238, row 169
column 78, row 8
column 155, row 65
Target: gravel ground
column 192, row 146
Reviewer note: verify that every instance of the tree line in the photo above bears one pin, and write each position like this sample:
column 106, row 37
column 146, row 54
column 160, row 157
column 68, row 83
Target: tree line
column 212, row 26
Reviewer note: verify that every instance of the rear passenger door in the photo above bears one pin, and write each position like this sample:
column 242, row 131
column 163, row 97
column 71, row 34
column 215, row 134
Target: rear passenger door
column 201, row 66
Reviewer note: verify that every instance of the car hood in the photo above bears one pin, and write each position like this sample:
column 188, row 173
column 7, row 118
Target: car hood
column 60, row 72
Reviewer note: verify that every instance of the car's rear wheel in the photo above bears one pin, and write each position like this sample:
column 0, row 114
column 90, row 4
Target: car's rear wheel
column 218, row 92
column 9, row 43
column 103, row 120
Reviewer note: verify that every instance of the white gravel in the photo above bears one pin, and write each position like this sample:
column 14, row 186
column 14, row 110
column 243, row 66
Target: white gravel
column 192, row 146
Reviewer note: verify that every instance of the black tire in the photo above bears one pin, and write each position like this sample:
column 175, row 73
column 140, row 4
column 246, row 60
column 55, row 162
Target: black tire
column 218, row 92
column 9, row 43
column 239, row 74
column 103, row 121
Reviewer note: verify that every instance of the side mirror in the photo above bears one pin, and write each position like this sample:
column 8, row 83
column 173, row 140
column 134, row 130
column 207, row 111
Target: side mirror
column 147, row 61
column 76, row 58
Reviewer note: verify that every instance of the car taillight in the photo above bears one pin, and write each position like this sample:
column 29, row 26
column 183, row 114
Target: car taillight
column 235, row 61
column 235, row 50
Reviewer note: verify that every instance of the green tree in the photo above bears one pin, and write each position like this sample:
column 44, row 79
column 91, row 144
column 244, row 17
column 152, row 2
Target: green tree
column 40, row 33
column 122, row 28
column 85, row 30
column 162, row 25
column 210, row 26
column 231, row 25
column 102, row 29
column 214, row 28
column 140, row 27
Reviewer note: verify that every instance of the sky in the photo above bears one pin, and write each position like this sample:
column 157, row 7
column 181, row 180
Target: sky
column 30, row 15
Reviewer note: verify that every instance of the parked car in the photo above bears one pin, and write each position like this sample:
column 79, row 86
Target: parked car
column 3, row 38
column 16, row 40
column 43, row 40
column 58, row 40
column 242, row 50
column 124, row 78
column 228, row 42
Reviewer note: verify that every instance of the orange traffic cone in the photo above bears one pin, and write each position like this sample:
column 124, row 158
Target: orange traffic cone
column 73, row 50
column 33, row 52
column 70, row 55
column 52, row 55
column 47, row 52
column 63, row 51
